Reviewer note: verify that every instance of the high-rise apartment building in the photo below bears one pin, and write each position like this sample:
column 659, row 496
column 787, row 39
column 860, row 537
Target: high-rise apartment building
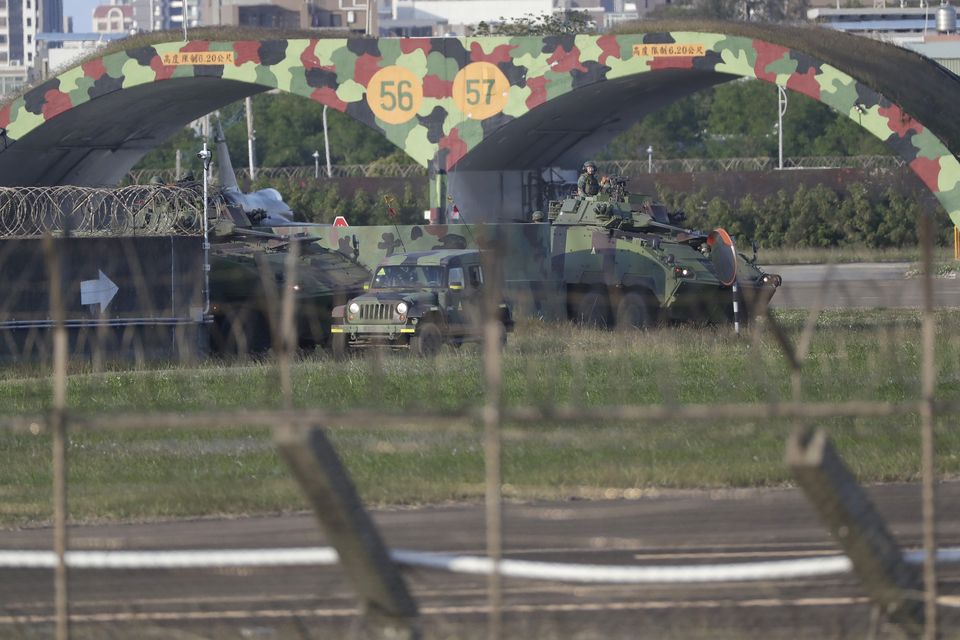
column 20, row 52
column 52, row 17
column 358, row 16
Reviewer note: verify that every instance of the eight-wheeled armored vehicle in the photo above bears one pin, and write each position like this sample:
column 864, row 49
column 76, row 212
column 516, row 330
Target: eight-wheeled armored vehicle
column 624, row 261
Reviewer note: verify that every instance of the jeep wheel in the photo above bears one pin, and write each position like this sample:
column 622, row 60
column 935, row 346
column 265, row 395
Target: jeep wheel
column 338, row 346
column 634, row 312
column 427, row 341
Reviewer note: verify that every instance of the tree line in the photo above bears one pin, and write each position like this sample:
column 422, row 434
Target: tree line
column 809, row 217
column 816, row 217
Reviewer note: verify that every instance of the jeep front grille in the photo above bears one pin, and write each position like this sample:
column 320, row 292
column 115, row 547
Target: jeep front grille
column 376, row 311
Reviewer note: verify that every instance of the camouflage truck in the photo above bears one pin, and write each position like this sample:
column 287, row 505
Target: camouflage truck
column 417, row 301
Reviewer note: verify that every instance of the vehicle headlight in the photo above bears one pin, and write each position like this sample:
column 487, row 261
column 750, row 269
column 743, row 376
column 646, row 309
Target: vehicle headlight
column 402, row 308
column 354, row 307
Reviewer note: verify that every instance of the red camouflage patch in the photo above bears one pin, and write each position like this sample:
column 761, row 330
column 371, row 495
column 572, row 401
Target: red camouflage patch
column 900, row 123
column 161, row 71
column 500, row 53
column 329, row 97
column 55, row 102
column 565, row 61
column 308, row 58
column 538, row 92
column 94, row 69
column 671, row 62
column 436, row 87
column 928, row 170
column 5, row 115
column 456, row 146
column 409, row 45
column 805, row 83
column 195, row 45
column 767, row 54
column 247, row 51
column 366, row 66
column 436, row 230
column 610, row 47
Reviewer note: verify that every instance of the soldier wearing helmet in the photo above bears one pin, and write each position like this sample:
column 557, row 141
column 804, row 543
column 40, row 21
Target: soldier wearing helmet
column 588, row 184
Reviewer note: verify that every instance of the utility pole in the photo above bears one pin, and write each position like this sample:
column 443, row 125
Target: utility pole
column 371, row 10
column 251, row 136
column 781, row 110
column 326, row 142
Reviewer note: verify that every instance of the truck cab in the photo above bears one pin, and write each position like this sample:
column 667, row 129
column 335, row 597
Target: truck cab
column 419, row 302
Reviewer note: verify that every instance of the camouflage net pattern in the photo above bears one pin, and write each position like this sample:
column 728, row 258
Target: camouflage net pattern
column 29, row 212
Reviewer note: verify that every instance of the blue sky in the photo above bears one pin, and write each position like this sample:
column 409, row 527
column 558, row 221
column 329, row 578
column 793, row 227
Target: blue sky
column 81, row 11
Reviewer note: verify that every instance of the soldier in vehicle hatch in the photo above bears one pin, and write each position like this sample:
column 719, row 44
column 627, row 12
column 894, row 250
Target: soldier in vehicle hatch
column 588, row 184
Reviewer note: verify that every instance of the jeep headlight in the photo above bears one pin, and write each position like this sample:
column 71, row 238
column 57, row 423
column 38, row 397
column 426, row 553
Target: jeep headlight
column 354, row 308
column 402, row 308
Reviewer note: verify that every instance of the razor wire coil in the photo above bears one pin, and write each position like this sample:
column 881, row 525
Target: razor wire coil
column 138, row 210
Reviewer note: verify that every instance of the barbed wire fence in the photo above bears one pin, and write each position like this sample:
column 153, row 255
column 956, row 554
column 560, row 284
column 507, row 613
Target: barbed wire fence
column 612, row 167
column 563, row 399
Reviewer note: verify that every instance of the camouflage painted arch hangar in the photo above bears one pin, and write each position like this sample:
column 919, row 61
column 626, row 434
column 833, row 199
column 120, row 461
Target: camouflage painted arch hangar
column 471, row 109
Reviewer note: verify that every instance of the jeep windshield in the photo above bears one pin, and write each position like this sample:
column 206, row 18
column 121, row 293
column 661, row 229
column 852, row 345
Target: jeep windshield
column 408, row 277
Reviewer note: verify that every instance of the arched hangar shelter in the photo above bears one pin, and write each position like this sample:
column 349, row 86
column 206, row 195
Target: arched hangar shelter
column 480, row 112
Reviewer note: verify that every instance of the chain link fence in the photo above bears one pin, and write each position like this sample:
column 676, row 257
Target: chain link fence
column 568, row 481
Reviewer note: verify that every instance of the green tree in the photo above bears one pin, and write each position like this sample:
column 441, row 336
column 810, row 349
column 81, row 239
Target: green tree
column 538, row 25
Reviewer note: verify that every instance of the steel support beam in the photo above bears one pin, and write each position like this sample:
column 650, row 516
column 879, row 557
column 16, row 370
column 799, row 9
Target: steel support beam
column 388, row 608
column 858, row 528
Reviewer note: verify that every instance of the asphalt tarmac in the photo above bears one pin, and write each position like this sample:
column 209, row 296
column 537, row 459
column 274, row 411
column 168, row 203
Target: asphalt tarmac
column 668, row 528
column 859, row 286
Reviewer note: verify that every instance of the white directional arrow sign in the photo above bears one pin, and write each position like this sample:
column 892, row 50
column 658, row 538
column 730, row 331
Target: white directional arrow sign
column 99, row 291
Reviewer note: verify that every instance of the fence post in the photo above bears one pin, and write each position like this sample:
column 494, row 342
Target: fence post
column 857, row 527
column 386, row 604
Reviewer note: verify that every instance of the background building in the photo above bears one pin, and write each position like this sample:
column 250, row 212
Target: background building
column 113, row 18
column 20, row 51
column 350, row 15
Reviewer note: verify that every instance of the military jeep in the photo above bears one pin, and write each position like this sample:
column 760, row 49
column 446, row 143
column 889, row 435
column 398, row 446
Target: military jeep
column 417, row 301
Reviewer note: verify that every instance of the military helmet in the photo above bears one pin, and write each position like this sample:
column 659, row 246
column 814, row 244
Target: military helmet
column 589, row 163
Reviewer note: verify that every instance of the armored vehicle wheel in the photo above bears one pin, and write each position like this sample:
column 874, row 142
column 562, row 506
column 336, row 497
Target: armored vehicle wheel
column 338, row 346
column 428, row 340
column 240, row 333
column 593, row 309
column 634, row 312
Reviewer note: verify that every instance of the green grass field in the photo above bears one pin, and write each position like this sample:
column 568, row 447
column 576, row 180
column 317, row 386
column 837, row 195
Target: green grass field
column 159, row 473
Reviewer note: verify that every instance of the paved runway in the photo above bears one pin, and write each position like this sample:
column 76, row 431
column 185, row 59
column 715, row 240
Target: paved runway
column 859, row 286
column 677, row 527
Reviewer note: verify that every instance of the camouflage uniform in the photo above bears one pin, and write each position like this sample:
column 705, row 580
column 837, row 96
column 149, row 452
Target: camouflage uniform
column 588, row 184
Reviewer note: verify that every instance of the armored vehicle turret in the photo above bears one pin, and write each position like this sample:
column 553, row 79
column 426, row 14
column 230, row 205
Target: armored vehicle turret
column 625, row 261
